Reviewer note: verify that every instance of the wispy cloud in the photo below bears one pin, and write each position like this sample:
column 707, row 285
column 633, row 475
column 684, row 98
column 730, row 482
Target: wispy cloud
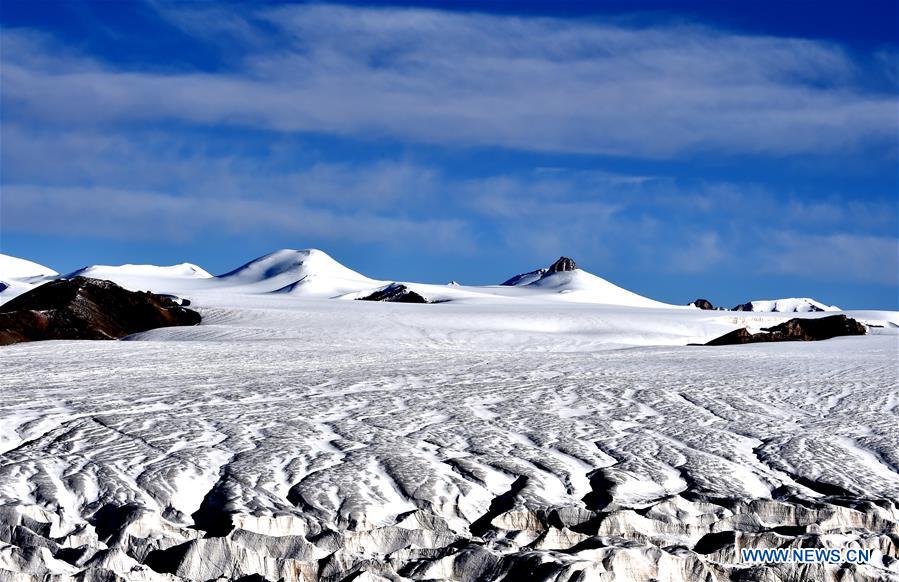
column 100, row 212
column 837, row 257
column 144, row 185
column 456, row 78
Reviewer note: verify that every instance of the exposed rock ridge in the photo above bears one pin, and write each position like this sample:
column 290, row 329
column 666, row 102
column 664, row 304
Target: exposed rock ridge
column 395, row 293
column 83, row 308
column 797, row 329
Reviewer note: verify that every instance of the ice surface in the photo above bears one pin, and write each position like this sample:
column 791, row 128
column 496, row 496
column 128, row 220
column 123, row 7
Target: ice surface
column 503, row 433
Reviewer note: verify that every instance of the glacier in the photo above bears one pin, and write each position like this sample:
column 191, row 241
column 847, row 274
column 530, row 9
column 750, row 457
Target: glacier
column 504, row 434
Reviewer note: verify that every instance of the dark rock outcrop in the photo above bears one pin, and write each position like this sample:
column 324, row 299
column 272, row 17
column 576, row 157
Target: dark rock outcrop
column 83, row 308
column 797, row 329
column 179, row 300
column 704, row 304
column 563, row 264
column 395, row 293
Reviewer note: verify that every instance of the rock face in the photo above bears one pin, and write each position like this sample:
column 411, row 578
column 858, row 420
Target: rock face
column 796, row 329
column 395, row 293
column 82, row 308
column 704, row 304
column 563, row 264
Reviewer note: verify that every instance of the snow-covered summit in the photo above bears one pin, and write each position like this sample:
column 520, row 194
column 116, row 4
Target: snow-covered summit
column 564, row 277
column 19, row 275
column 160, row 279
column 21, row 269
column 579, row 285
column 788, row 305
column 308, row 271
column 110, row 272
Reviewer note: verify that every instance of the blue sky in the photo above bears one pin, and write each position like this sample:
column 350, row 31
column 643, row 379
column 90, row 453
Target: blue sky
column 678, row 149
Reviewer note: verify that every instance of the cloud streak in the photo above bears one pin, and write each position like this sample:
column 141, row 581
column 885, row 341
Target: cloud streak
column 474, row 79
column 129, row 214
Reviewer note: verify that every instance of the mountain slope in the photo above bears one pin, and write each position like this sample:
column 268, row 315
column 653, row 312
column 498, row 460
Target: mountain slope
column 146, row 277
column 570, row 283
column 524, row 278
column 18, row 276
column 579, row 285
column 298, row 272
column 21, row 269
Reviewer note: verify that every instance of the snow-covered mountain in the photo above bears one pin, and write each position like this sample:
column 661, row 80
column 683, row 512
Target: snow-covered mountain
column 145, row 277
column 574, row 284
column 19, row 275
column 788, row 305
column 313, row 273
column 298, row 272
column 22, row 270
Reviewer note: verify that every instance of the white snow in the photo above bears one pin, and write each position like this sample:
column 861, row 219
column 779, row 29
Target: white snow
column 19, row 275
column 304, row 272
column 161, row 279
column 21, row 269
column 790, row 305
column 579, row 285
column 526, row 278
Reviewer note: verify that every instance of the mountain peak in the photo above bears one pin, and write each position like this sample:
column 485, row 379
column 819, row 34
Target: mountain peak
column 563, row 264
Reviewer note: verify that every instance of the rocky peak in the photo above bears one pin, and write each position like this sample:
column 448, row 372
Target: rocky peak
column 395, row 293
column 563, row 264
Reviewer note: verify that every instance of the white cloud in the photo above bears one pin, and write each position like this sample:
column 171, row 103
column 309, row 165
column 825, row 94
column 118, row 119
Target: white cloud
column 100, row 212
column 475, row 79
column 837, row 257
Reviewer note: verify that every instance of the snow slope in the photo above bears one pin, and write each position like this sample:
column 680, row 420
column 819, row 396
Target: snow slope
column 19, row 275
column 21, row 269
column 579, row 285
column 161, row 279
column 526, row 278
column 299, row 272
